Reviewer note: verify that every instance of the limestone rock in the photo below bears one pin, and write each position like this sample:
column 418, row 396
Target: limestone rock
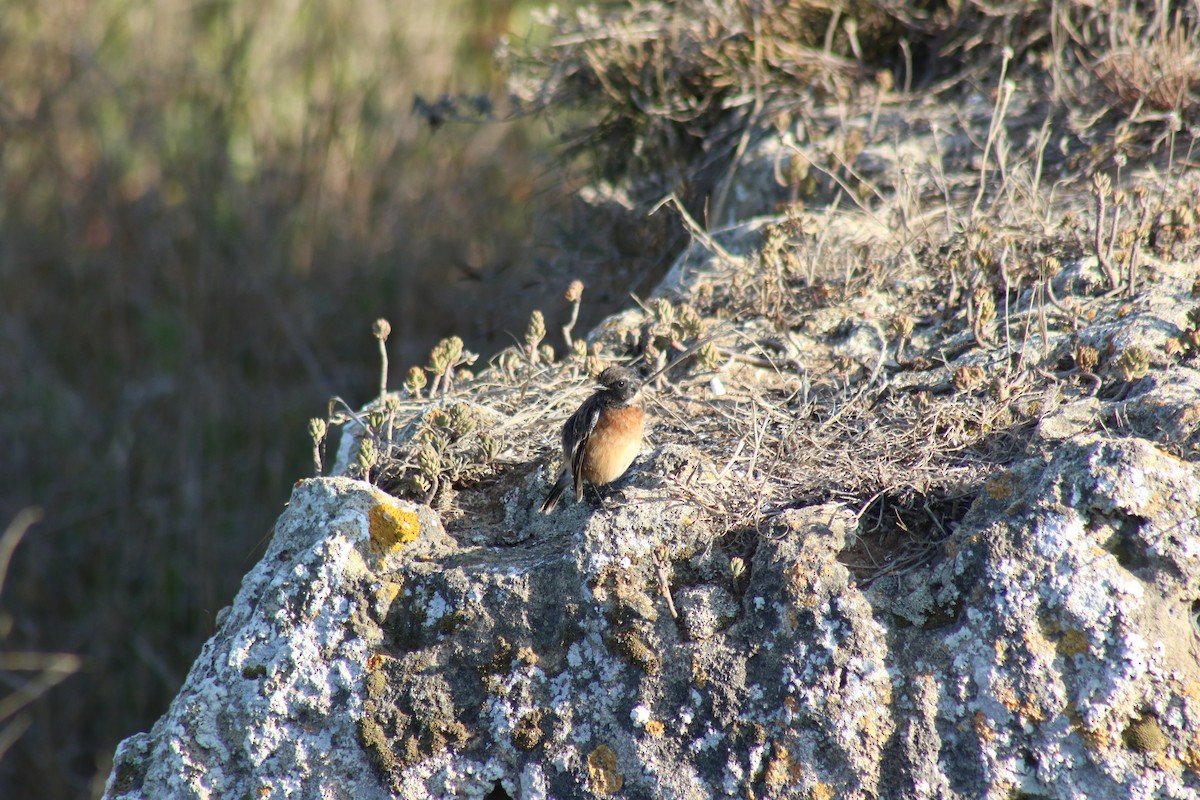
column 272, row 706
column 1054, row 654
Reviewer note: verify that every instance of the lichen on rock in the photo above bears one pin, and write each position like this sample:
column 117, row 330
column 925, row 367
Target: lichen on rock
column 956, row 556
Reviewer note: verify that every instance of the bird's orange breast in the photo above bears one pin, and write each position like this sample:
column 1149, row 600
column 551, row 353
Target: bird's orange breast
column 613, row 444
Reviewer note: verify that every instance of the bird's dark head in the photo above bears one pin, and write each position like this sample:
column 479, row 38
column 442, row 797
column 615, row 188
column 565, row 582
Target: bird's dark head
column 622, row 382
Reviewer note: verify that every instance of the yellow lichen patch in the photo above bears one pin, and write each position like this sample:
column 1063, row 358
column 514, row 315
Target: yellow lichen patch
column 1166, row 763
column 602, row 769
column 655, row 728
column 1072, row 643
column 392, row 527
column 386, row 594
column 822, row 791
column 1096, row 739
column 1036, row 642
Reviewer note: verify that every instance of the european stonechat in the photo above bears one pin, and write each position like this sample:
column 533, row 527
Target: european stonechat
column 603, row 437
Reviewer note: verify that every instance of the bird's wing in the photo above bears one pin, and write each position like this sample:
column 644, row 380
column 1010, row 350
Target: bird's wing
column 582, row 423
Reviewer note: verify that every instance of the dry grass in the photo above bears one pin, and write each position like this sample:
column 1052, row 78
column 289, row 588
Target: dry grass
column 890, row 350
column 673, row 93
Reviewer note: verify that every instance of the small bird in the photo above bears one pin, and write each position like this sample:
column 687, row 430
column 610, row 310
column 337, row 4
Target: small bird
column 601, row 439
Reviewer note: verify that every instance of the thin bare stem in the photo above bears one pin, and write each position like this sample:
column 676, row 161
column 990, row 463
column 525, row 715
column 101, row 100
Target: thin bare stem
column 1001, row 109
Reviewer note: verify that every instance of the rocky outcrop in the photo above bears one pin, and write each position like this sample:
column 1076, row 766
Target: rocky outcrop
column 725, row 625
column 1051, row 651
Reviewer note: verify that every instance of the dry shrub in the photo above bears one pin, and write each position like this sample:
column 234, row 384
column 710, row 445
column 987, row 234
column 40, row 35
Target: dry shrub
column 670, row 92
column 668, row 85
column 1149, row 66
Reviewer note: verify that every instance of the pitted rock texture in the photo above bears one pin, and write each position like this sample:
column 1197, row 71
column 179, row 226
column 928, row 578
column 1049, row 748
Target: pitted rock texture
column 1071, row 669
column 271, row 706
column 531, row 668
column 1050, row 652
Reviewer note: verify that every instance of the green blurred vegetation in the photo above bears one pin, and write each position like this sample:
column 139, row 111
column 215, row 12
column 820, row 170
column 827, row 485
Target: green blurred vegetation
column 203, row 206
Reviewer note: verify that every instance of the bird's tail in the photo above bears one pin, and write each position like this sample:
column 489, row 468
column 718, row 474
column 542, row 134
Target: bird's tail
column 560, row 486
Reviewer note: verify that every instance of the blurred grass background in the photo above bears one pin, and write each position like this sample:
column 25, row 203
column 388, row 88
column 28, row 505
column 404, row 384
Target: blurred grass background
column 203, row 206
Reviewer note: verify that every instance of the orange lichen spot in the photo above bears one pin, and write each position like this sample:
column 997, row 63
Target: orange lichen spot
column 777, row 773
column 699, row 672
column 1096, row 739
column 983, row 728
column 1032, row 713
column 1000, row 487
column 392, row 527
column 1191, row 756
column 602, row 769
column 796, row 575
column 791, row 619
column 655, row 728
column 1008, row 698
